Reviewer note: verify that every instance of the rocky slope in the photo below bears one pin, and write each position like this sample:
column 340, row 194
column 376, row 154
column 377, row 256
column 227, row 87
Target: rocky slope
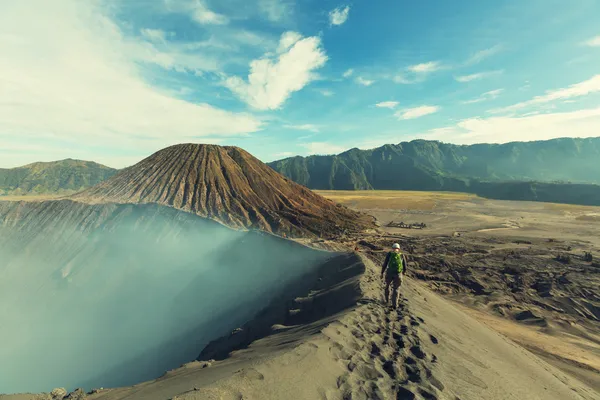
column 58, row 177
column 229, row 185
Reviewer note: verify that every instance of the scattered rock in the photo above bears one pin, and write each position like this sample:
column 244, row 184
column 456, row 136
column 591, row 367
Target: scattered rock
column 519, row 241
column 206, row 364
column 563, row 258
column 77, row 394
column 58, row 393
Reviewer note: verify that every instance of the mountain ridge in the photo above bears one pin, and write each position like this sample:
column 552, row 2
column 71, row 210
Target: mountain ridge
column 57, row 177
column 514, row 161
column 562, row 170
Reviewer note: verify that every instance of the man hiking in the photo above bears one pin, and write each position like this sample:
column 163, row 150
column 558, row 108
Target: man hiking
column 395, row 263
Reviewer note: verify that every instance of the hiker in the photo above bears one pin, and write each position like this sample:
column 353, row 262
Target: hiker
column 395, row 263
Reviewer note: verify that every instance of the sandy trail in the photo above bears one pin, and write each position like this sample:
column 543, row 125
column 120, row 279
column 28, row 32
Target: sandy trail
column 427, row 349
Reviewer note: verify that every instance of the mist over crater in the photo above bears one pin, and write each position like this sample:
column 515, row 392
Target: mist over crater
column 109, row 295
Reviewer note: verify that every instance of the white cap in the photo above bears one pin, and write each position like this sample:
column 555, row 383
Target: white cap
column 396, row 246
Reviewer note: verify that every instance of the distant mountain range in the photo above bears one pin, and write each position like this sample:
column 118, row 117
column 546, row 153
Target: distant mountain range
column 57, row 177
column 537, row 171
column 563, row 170
column 432, row 165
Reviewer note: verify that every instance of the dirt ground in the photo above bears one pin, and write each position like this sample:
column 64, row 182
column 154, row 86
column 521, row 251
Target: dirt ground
column 519, row 267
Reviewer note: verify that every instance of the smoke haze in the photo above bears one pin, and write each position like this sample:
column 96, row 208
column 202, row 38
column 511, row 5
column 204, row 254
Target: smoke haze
column 110, row 295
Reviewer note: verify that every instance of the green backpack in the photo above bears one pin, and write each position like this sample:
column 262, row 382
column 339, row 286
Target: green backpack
column 396, row 265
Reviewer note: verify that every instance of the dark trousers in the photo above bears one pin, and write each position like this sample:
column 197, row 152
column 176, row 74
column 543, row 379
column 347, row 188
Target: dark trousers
column 394, row 281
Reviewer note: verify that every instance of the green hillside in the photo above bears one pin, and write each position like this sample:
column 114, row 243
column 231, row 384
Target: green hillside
column 511, row 171
column 57, row 177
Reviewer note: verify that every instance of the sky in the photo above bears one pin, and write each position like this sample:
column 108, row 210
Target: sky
column 115, row 80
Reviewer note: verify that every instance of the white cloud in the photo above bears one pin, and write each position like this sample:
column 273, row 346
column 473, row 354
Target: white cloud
column 273, row 79
column 416, row 112
column 326, row 92
column 323, row 148
column 304, row 127
column 77, row 83
column 204, row 16
column 593, row 42
column 417, row 73
column 276, row 10
column 526, row 86
column 288, row 39
column 581, row 123
column 348, row 73
column 425, row 68
column 363, row 81
column 285, row 154
column 492, row 94
column 402, row 79
column 483, row 54
column 478, row 76
column 156, row 35
column 339, row 15
column 387, row 104
column 584, row 88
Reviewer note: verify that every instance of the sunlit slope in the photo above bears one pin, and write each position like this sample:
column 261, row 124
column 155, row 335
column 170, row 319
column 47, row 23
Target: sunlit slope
column 86, row 289
column 229, row 185
column 433, row 165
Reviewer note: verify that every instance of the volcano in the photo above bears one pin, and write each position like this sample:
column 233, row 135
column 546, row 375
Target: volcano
column 228, row 185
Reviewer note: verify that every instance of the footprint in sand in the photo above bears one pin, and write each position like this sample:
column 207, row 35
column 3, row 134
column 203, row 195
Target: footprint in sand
column 410, row 361
column 433, row 339
column 358, row 334
column 405, row 394
column 426, row 395
column 400, row 342
column 339, row 352
column 251, row 374
column 390, row 369
column 413, row 373
column 375, row 350
column 354, row 345
column 436, row 383
column 417, row 352
column 367, row 372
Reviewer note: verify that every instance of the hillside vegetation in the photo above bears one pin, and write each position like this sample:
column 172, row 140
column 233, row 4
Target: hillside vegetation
column 57, row 177
column 537, row 171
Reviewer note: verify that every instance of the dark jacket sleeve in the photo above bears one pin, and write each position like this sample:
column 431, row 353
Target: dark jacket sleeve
column 405, row 260
column 385, row 263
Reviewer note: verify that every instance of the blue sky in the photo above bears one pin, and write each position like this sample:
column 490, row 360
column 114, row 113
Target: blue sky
column 115, row 80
